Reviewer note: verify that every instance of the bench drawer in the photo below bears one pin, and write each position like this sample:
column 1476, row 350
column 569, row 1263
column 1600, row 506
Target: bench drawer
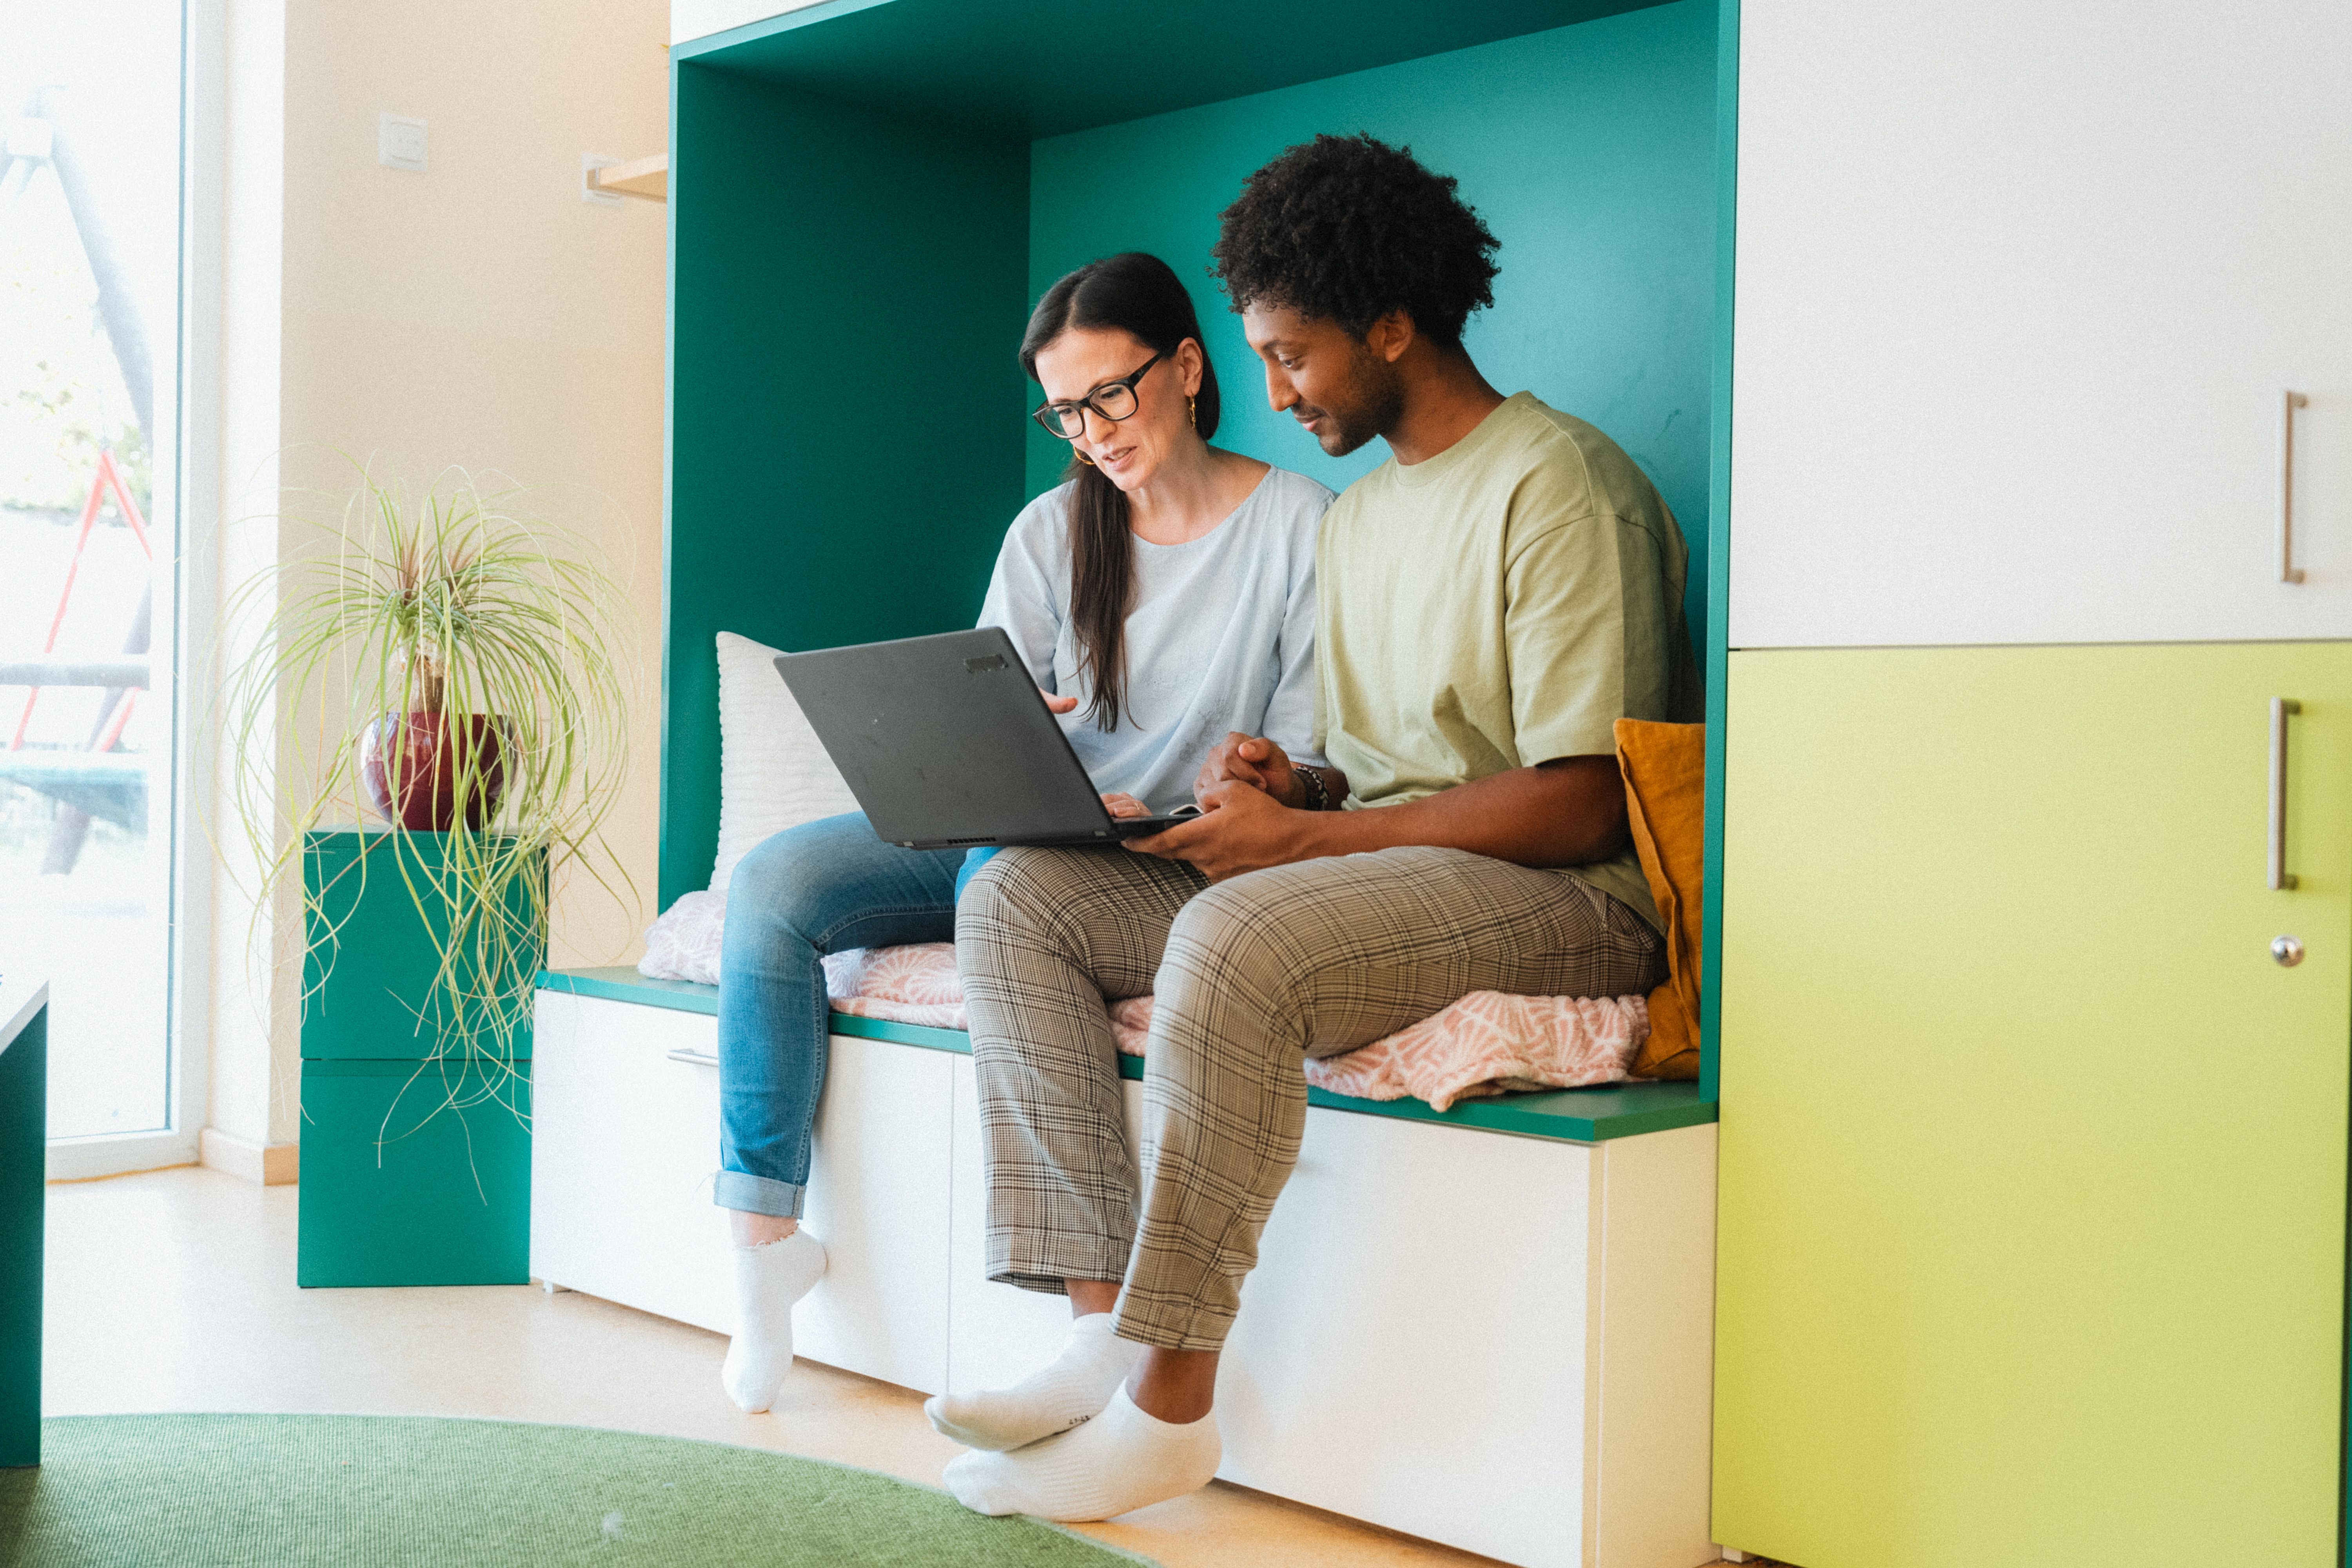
column 626, row 1140
column 623, row 1147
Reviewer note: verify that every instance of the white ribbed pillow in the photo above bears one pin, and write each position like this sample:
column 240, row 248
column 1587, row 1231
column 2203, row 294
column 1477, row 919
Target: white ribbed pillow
column 773, row 773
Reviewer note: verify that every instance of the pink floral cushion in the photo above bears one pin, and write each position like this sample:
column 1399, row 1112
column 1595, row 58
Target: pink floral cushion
column 916, row 984
column 1486, row 1042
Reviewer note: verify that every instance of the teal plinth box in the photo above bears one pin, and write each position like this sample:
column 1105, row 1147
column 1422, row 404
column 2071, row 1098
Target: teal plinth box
column 391, row 1196
column 370, row 957
column 416, row 1156
column 24, row 1149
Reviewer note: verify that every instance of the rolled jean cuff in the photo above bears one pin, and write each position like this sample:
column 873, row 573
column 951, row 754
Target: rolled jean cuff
column 758, row 1194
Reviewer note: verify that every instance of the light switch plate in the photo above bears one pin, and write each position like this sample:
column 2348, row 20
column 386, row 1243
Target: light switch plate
column 589, row 164
column 400, row 142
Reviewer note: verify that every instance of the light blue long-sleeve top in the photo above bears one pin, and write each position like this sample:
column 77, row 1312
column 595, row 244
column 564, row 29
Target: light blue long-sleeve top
column 1220, row 636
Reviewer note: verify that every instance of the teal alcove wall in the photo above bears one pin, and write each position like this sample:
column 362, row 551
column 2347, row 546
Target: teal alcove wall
column 866, row 198
column 1590, row 153
column 847, row 299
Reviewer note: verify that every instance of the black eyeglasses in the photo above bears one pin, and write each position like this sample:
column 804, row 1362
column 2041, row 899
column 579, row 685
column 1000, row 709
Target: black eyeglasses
column 1114, row 400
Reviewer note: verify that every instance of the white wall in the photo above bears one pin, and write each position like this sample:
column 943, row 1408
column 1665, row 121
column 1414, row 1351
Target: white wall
column 478, row 314
column 700, row 18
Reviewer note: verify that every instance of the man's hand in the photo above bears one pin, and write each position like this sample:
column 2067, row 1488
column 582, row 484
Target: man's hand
column 1254, row 761
column 1567, row 812
column 1241, row 828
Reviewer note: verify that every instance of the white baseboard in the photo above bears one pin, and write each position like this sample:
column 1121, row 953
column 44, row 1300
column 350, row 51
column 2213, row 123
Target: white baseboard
column 117, row 1154
column 271, row 1165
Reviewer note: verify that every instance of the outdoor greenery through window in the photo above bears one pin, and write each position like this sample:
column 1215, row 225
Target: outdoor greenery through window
column 89, row 523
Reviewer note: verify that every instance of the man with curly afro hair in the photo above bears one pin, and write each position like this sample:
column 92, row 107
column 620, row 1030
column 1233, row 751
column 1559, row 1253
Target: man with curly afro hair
column 1492, row 600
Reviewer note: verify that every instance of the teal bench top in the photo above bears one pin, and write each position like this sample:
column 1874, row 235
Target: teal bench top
column 1570, row 1115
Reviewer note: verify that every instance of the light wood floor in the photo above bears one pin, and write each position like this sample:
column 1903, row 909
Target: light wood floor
column 175, row 1290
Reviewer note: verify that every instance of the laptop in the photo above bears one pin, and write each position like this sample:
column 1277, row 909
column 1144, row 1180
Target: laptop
column 947, row 743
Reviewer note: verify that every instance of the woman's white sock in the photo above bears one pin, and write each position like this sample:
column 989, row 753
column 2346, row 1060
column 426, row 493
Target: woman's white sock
column 1072, row 1388
column 768, row 1280
column 1121, row 1460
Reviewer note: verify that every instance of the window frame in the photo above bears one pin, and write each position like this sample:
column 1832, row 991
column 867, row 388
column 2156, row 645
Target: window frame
column 188, row 450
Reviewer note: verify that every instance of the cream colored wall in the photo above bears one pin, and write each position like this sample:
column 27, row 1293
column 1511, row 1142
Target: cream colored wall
column 477, row 314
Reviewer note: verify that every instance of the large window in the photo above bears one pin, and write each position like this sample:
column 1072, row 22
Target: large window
column 90, row 226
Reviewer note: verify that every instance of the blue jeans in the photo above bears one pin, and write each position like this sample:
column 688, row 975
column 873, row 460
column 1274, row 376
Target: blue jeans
column 823, row 887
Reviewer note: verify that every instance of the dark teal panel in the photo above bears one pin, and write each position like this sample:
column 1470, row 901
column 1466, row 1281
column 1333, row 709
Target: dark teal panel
column 1014, row 67
column 848, row 295
column 24, row 1153
column 1718, row 551
column 446, row 1197
column 376, row 997
column 1589, row 150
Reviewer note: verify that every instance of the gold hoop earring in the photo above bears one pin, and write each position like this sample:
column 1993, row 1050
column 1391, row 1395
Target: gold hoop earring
column 1193, row 411
column 1079, row 453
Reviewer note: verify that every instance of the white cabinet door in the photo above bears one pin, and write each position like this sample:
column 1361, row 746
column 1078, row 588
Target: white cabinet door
column 625, row 1136
column 877, row 1198
column 2020, row 286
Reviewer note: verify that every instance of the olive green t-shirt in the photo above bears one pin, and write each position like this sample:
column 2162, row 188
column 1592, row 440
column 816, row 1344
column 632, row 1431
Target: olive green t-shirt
column 1503, row 603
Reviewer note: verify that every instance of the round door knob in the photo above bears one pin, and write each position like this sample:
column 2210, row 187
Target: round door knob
column 2287, row 951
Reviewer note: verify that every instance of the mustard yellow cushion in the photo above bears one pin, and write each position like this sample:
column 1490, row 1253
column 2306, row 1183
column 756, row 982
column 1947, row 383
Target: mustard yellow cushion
column 1664, row 767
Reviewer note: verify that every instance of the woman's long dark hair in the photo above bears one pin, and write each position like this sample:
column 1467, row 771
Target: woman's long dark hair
column 1142, row 295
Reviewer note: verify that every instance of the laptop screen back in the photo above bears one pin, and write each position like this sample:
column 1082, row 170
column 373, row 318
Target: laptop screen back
column 946, row 739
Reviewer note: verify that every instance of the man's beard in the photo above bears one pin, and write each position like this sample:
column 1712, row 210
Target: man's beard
column 1375, row 402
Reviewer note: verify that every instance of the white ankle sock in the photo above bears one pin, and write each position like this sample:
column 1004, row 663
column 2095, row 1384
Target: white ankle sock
column 1121, row 1460
column 1073, row 1387
column 768, row 1280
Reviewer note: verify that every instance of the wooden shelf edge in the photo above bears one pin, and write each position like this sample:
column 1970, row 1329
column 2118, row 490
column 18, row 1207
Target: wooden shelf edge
column 648, row 179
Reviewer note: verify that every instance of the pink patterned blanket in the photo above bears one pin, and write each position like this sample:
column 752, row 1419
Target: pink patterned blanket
column 1487, row 1043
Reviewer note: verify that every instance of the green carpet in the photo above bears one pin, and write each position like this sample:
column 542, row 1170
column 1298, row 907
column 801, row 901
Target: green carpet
column 360, row 1491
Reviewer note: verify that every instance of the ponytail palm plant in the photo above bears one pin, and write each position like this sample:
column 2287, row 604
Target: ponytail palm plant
column 452, row 665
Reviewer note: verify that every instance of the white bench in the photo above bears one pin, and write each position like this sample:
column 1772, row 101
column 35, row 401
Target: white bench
column 1490, row 1328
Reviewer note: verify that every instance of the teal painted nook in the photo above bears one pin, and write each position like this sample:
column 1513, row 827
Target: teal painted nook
column 865, row 197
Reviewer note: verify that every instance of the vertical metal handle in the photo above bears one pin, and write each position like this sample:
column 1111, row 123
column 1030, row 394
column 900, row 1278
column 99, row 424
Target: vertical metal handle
column 2281, row 879
column 2288, row 570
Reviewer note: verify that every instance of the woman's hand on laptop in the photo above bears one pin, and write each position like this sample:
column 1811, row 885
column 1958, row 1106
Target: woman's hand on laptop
column 1251, row 760
column 1060, row 705
column 1125, row 805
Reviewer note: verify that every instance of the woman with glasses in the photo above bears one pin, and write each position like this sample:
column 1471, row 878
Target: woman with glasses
column 1163, row 597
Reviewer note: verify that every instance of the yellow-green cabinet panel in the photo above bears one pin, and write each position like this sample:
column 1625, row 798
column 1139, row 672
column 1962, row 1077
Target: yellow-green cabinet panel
column 2032, row 1215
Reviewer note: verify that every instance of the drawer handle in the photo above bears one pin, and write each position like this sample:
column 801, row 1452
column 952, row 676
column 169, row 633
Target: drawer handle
column 2282, row 708
column 2288, row 570
column 700, row 1059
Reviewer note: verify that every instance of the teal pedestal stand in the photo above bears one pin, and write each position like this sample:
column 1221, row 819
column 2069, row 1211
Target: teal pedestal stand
column 415, row 1164
column 23, row 1155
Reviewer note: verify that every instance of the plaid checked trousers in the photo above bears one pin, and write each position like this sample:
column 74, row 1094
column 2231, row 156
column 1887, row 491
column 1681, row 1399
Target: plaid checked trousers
column 1251, row 977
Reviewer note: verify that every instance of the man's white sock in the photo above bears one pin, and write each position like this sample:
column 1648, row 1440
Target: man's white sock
column 768, row 1280
column 1072, row 1388
column 1121, row 1460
